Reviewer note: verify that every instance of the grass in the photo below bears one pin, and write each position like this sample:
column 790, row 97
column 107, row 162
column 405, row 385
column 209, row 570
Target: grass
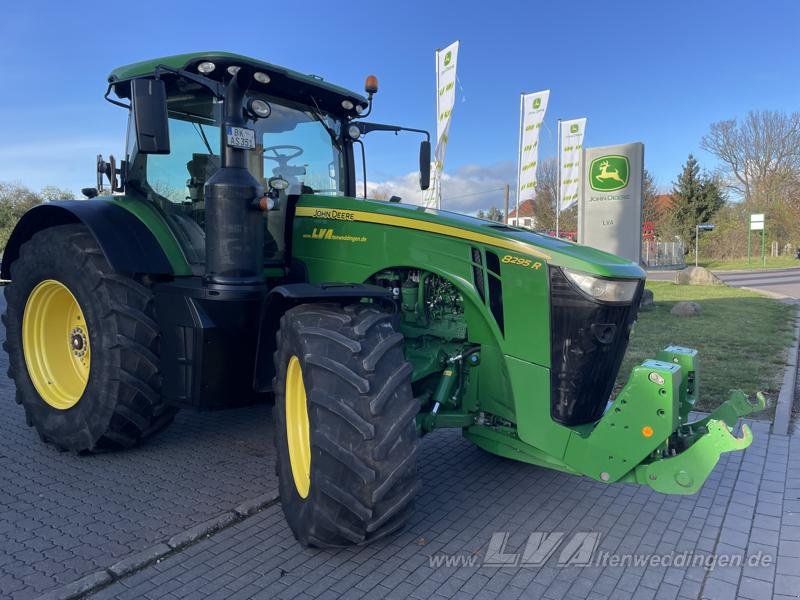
column 777, row 262
column 742, row 339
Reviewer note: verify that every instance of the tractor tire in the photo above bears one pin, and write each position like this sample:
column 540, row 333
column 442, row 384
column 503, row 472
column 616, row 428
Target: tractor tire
column 345, row 433
column 82, row 345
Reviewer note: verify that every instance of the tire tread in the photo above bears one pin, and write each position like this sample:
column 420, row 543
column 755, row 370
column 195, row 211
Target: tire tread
column 363, row 436
column 128, row 330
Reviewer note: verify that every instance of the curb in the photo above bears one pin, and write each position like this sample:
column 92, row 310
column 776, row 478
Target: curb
column 783, row 410
column 131, row 563
column 82, row 586
column 135, row 562
column 191, row 535
column 754, row 270
column 768, row 293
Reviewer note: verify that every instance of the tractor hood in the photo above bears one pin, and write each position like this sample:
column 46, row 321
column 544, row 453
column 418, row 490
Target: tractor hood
column 522, row 241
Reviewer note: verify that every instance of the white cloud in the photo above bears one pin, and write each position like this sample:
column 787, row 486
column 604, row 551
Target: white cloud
column 465, row 190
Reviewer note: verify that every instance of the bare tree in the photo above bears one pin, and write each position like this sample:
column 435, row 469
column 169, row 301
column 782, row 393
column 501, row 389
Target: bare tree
column 544, row 203
column 547, row 178
column 761, row 153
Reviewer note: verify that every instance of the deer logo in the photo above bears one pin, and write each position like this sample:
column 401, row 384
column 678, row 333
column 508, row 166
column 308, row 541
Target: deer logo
column 606, row 174
column 609, row 173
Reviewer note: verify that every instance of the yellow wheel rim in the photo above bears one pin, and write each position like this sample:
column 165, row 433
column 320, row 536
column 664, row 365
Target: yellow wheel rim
column 55, row 343
column 297, row 428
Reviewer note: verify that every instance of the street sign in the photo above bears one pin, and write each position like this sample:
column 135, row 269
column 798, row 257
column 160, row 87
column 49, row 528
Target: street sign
column 705, row 227
column 757, row 224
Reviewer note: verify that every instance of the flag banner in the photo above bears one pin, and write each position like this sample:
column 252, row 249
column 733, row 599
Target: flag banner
column 445, row 100
column 532, row 109
column 570, row 139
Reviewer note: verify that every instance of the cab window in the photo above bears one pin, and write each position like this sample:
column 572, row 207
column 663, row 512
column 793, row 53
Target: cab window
column 291, row 144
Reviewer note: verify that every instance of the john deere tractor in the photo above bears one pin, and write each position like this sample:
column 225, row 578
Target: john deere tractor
column 230, row 260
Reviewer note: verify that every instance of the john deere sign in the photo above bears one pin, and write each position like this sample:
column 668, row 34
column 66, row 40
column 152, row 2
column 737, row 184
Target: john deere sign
column 609, row 173
column 610, row 207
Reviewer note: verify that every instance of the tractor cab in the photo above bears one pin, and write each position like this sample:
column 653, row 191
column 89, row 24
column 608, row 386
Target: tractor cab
column 293, row 133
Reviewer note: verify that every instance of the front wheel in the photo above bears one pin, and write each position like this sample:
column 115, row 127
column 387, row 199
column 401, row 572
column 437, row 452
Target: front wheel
column 344, row 424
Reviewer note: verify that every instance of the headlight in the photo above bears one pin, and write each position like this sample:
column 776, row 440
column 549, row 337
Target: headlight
column 259, row 108
column 278, row 183
column 354, row 131
column 206, row 67
column 604, row 290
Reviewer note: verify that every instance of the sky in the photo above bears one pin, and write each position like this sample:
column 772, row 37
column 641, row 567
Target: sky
column 655, row 72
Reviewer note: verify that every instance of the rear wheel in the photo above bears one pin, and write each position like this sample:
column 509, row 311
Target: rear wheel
column 82, row 345
column 344, row 424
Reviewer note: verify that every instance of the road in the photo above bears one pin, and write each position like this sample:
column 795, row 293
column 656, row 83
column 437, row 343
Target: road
column 778, row 281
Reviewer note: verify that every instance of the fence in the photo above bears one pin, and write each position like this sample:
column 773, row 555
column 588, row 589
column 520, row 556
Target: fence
column 663, row 255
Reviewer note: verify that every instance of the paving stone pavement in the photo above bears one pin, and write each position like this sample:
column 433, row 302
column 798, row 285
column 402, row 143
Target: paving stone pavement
column 63, row 516
column 750, row 504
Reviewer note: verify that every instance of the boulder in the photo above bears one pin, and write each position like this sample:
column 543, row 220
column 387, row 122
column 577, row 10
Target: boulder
column 686, row 309
column 696, row 276
column 648, row 301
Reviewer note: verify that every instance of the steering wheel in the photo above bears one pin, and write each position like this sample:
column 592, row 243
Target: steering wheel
column 283, row 158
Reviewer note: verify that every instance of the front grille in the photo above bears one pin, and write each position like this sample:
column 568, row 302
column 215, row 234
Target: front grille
column 477, row 273
column 588, row 340
column 495, row 290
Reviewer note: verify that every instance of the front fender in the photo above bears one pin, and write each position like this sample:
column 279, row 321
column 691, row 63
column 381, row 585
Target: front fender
column 283, row 297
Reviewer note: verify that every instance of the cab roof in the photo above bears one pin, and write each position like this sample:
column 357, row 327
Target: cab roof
column 283, row 81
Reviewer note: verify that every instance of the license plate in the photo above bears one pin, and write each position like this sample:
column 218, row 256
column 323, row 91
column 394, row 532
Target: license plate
column 241, row 137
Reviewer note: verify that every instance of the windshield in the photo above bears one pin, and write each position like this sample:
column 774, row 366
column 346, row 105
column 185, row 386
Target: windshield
column 295, row 143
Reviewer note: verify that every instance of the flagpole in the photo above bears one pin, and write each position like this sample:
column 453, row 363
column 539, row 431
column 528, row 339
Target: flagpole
column 519, row 153
column 558, row 191
column 436, row 181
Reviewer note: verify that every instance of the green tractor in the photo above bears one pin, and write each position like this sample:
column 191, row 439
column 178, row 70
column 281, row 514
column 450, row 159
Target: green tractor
column 230, row 259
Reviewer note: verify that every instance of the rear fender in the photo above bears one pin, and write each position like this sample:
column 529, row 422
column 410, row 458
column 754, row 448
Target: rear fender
column 126, row 242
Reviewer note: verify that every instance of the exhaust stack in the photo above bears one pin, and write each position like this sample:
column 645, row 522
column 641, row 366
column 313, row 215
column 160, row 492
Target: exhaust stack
column 234, row 224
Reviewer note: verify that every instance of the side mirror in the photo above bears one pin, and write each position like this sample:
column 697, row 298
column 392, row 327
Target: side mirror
column 424, row 164
column 149, row 101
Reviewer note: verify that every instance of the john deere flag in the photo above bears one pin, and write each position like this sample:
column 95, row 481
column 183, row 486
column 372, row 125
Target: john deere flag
column 445, row 100
column 571, row 142
column 532, row 109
